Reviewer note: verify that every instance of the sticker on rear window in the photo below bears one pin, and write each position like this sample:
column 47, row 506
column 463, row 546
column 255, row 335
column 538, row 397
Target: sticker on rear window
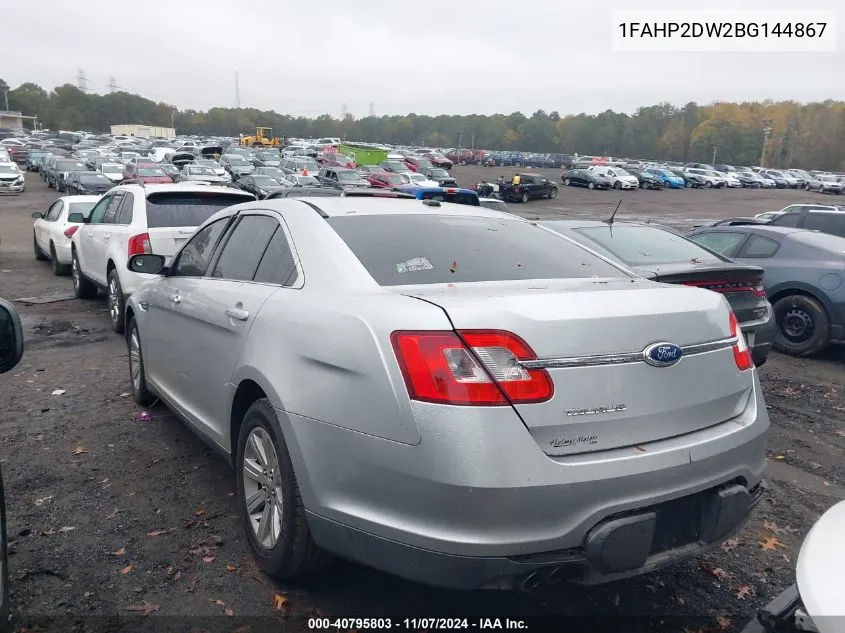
column 413, row 265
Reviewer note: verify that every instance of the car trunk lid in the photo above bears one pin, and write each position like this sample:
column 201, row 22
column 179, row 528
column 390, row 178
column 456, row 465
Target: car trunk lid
column 590, row 336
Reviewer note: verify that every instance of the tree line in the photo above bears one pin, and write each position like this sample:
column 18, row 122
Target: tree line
column 796, row 135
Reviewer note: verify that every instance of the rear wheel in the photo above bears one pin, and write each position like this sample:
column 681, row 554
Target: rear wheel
column 270, row 502
column 137, row 374
column 803, row 326
column 523, row 198
column 117, row 302
column 553, row 193
column 591, row 185
column 60, row 270
column 41, row 257
column 567, row 182
column 617, row 185
column 82, row 287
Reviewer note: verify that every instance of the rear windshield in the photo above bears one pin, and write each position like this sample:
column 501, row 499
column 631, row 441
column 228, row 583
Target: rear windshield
column 645, row 245
column 81, row 207
column 432, row 249
column 187, row 208
column 66, row 165
column 459, row 197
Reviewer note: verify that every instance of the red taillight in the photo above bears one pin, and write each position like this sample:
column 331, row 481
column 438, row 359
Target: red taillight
column 140, row 245
column 754, row 286
column 69, row 231
column 742, row 355
column 469, row 367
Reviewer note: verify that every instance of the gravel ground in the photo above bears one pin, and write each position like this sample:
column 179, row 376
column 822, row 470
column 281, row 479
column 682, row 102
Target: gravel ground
column 117, row 524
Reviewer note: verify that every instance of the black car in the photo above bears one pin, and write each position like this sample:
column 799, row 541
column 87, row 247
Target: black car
column 662, row 255
column 647, row 180
column 694, row 181
column 749, row 181
column 87, row 183
column 440, row 176
column 59, row 170
column 258, row 185
column 337, row 177
column 584, row 178
column 236, row 165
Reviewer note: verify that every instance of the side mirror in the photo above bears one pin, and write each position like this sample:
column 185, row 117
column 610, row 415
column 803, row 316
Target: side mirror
column 77, row 218
column 36, row 215
column 11, row 337
column 147, row 263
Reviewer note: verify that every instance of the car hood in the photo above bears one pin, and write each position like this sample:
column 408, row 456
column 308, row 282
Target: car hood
column 819, row 570
column 9, row 176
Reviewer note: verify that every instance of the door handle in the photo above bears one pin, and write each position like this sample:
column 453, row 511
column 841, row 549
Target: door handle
column 237, row 313
column 175, row 298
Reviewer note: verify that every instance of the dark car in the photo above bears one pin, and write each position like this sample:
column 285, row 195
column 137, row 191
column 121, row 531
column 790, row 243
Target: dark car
column 267, row 159
column 87, row 183
column 440, row 176
column 236, row 165
column 647, row 180
column 584, row 178
column 337, row 177
column 831, row 222
column 732, row 222
column 386, row 180
column 530, row 187
column 258, row 185
column 809, row 312
column 748, row 180
column 34, row 158
column 662, row 255
column 59, row 170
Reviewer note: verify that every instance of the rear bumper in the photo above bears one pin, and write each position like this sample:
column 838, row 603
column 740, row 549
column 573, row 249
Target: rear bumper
column 476, row 503
column 784, row 613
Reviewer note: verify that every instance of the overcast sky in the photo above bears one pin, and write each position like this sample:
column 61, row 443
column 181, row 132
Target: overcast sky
column 430, row 57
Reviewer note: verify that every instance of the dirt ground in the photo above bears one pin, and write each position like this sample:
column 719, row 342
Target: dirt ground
column 111, row 519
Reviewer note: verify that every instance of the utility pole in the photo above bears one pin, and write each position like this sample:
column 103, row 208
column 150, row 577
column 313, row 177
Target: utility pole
column 473, row 142
column 344, row 112
column 173, row 119
column 766, row 131
column 112, row 85
column 81, row 80
column 460, row 140
column 237, row 90
column 6, row 97
column 372, row 109
column 715, row 147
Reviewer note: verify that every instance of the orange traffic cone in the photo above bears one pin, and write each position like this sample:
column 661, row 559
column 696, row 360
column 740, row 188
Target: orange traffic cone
column 304, row 171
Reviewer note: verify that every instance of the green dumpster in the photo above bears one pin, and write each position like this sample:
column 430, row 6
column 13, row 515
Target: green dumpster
column 363, row 155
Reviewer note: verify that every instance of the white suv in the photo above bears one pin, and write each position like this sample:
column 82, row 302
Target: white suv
column 133, row 219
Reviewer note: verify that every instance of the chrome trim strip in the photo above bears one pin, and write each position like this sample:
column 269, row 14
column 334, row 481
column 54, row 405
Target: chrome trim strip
column 620, row 359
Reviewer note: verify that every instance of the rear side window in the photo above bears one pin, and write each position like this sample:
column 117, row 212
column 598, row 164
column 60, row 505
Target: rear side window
column 833, row 223
column 277, row 265
column 170, row 209
column 787, row 219
column 759, row 246
column 432, row 249
column 726, row 244
column 193, row 259
column 244, row 247
column 643, row 245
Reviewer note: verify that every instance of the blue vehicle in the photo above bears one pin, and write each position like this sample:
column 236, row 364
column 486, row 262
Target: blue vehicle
column 672, row 181
column 442, row 194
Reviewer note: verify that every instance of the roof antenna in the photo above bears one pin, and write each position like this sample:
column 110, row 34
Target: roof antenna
column 613, row 215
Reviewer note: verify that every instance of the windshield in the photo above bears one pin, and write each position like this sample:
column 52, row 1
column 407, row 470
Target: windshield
column 268, row 156
column 421, row 249
column 307, row 181
column 237, row 160
column 392, row 179
column 645, row 245
column 826, row 178
column 348, row 175
column 310, row 165
column 90, row 178
column 207, row 163
column 200, row 171
column 64, row 165
column 81, row 207
column 112, row 169
column 8, row 169
column 170, row 209
column 150, row 172
column 266, row 181
column 439, row 173
column 417, row 177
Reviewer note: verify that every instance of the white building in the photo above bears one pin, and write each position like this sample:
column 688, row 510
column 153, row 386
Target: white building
column 147, row 131
column 13, row 120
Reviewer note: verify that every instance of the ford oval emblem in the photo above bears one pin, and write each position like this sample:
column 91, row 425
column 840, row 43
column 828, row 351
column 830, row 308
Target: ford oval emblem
column 663, row 354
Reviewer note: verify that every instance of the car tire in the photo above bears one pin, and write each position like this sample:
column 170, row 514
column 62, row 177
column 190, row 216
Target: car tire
column 41, row 257
column 523, row 198
column 591, row 185
column 137, row 373
column 292, row 553
column 553, row 193
column 59, row 270
column 617, row 185
column 567, row 182
column 709, row 184
column 795, row 314
column 116, row 302
column 82, row 287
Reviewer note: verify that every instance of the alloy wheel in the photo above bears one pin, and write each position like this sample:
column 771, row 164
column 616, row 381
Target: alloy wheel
column 114, row 301
column 135, row 359
column 262, row 488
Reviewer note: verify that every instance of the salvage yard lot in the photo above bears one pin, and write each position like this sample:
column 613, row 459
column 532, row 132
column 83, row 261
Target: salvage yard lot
column 109, row 511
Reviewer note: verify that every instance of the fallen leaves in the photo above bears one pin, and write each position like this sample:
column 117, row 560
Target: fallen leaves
column 280, row 602
column 229, row 612
column 209, row 559
column 723, row 622
column 215, row 601
column 717, row 572
column 79, row 450
column 730, row 544
column 772, row 527
column 119, row 552
column 145, row 607
column 126, row 569
column 743, row 591
column 231, row 567
column 191, row 586
column 770, row 544
column 160, row 532
column 114, row 513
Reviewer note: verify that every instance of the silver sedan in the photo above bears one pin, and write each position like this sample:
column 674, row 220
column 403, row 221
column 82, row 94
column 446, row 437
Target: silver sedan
column 449, row 393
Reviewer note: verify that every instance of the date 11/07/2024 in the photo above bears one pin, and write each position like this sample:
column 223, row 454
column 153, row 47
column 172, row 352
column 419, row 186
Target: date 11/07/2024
column 721, row 29
column 416, row 624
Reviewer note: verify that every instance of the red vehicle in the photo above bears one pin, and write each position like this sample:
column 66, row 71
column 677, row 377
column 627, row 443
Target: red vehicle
column 415, row 163
column 338, row 160
column 386, row 180
column 148, row 173
column 18, row 153
column 439, row 160
column 462, row 156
